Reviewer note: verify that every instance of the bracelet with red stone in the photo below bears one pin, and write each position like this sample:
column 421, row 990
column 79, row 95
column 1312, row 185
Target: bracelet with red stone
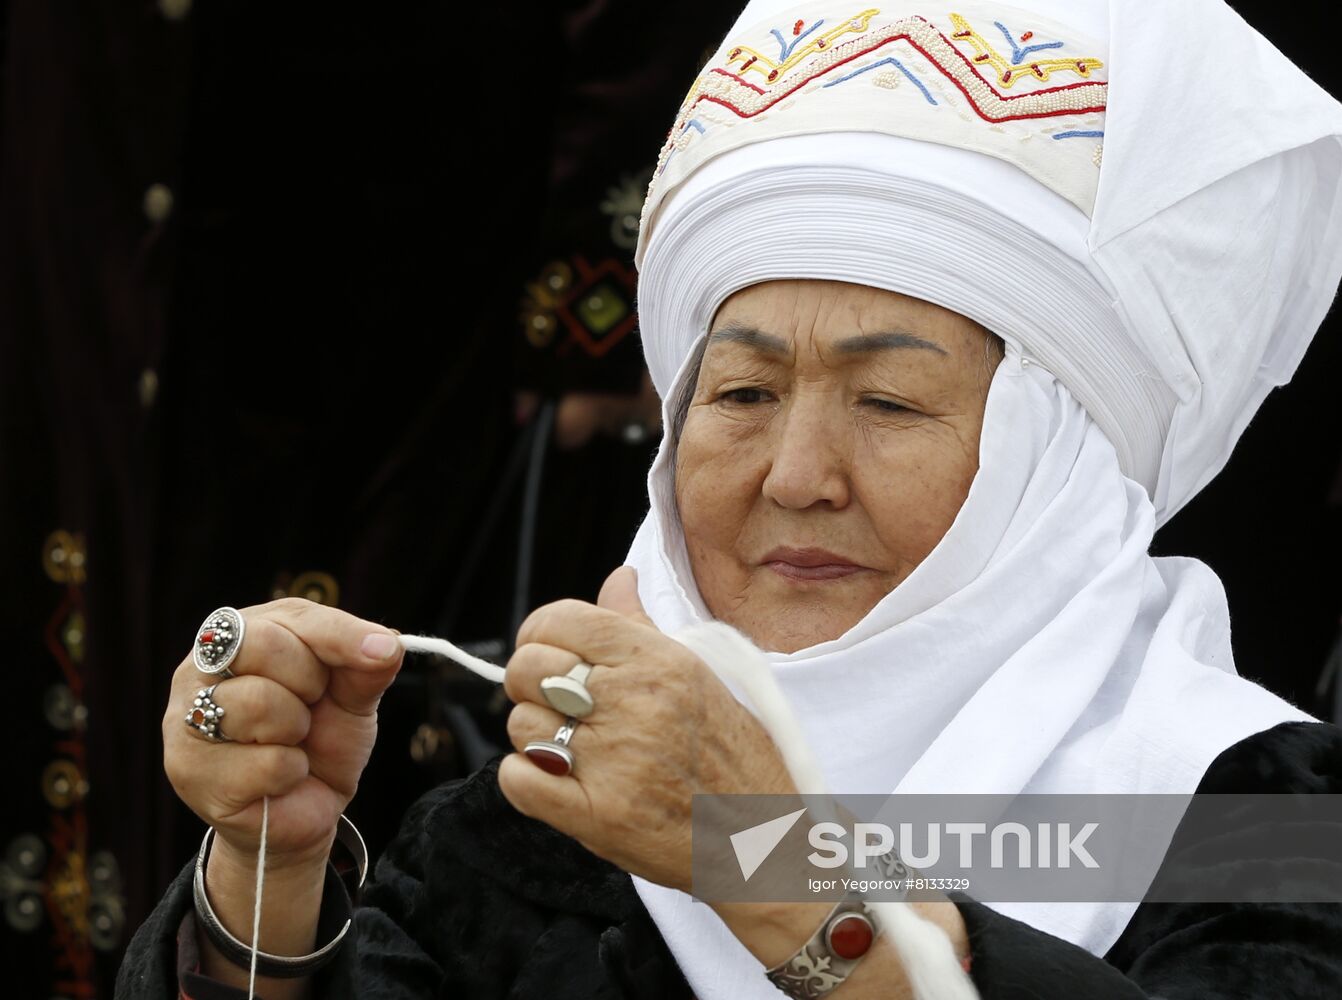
column 841, row 941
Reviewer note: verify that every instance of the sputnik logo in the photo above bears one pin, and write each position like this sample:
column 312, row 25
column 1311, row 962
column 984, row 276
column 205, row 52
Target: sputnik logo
column 754, row 844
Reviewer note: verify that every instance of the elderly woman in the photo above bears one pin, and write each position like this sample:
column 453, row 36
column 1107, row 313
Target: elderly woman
column 933, row 370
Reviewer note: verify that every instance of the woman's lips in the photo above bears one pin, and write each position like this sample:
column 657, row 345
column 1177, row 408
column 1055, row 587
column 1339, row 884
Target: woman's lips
column 831, row 572
column 809, row 564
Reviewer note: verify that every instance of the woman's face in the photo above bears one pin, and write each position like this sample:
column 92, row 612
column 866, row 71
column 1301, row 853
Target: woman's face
column 831, row 417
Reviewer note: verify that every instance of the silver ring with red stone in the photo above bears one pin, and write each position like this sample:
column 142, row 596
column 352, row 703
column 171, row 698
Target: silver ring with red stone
column 206, row 714
column 218, row 641
column 554, row 756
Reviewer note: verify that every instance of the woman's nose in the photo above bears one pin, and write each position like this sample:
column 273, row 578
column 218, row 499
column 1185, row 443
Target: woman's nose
column 810, row 456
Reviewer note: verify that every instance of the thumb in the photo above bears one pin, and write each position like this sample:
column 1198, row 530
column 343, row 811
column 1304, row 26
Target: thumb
column 620, row 593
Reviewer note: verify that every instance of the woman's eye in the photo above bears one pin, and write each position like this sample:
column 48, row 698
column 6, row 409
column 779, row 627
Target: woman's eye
column 889, row 406
column 745, row 395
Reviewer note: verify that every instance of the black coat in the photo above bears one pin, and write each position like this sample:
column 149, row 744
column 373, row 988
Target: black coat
column 474, row 900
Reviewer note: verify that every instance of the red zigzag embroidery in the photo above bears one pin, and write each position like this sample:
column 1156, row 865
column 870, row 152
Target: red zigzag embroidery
column 1070, row 99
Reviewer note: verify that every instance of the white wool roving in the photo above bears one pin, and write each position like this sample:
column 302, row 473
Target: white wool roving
column 926, row 953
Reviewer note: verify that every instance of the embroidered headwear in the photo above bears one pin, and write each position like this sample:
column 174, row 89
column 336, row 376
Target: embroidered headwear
column 1125, row 228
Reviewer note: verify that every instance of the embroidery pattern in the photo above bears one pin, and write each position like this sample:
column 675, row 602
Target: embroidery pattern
column 594, row 303
column 54, row 877
column 732, row 86
column 751, row 60
column 313, row 584
column 891, row 61
column 622, row 204
column 1016, row 68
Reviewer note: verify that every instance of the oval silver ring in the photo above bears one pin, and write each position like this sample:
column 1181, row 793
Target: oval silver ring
column 217, row 642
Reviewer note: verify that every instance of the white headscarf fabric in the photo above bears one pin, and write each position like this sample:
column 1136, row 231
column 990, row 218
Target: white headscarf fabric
column 1039, row 626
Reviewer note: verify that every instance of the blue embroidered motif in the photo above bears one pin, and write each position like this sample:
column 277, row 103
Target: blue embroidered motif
column 785, row 48
column 1018, row 54
column 899, row 66
column 1077, row 134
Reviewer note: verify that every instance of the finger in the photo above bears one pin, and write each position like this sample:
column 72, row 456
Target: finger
column 620, row 593
column 260, row 710
column 271, row 650
column 243, row 773
column 339, row 746
column 528, row 721
column 363, row 657
column 531, row 664
column 558, row 801
column 598, row 635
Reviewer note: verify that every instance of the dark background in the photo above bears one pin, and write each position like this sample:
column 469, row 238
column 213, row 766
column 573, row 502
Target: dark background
column 299, row 378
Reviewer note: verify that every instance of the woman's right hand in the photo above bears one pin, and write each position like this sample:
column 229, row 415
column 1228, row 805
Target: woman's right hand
column 301, row 720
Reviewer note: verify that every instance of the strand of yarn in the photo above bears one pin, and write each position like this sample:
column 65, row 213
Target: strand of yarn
column 260, row 885
column 926, row 953
column 441, row 647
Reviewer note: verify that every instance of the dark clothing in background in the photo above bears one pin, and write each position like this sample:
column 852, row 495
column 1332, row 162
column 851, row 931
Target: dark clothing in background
column 263, row 272
column 475, row 900
column 234, row 363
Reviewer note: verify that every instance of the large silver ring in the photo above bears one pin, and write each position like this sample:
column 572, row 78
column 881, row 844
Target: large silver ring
column 554, row 756
column 205, row 715
column 218, row 641
column 568, row 694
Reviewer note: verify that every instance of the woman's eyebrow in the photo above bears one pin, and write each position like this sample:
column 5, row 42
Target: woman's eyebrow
column 743, row 333
column 885, row 340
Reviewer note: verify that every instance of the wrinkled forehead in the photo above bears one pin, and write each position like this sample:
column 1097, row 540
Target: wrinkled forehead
column 838, row 322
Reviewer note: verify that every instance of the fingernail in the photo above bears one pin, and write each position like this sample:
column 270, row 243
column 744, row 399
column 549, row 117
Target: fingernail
column 379, row 646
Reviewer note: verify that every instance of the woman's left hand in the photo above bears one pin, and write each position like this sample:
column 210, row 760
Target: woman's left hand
column 664, row 729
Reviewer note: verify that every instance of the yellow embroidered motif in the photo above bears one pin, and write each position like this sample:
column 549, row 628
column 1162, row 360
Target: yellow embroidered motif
column 1008, row 72
column 754, row 61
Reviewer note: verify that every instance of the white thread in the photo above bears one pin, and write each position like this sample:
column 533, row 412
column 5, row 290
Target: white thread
column 260, row 884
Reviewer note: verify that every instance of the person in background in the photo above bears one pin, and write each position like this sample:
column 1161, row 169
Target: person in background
column 237, row 351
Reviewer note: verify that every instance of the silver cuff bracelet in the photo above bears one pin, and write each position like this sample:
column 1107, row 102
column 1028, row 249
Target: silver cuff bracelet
column 278, row 966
